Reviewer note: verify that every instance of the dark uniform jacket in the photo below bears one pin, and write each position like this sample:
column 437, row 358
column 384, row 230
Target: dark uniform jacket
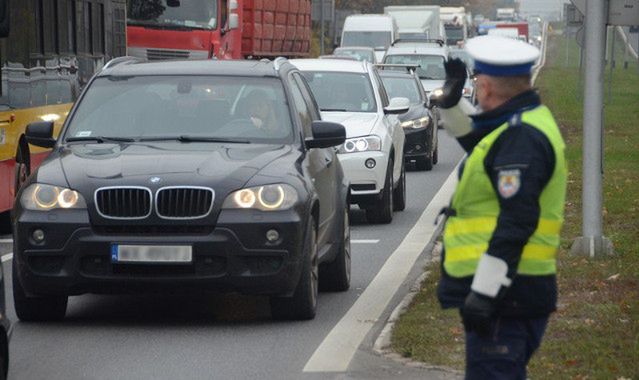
column 522, row 147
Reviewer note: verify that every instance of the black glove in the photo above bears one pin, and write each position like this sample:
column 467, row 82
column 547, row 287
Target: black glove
column 453, row 89
column 478, row 313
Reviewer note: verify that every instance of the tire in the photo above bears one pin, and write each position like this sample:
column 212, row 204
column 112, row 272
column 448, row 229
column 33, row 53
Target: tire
column 399, row 197
column 336, row 275
column 22, row 170
column 424, row 163
column 436, row 155
column 382, row 211
column 303, row 304
column 41, row 308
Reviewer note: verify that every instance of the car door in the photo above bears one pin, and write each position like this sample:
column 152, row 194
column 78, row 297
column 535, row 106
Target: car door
column 321, row 162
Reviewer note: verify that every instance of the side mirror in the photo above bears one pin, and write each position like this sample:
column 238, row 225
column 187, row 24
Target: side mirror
column 41, row 134
column 232, row 5
column 397, row 106
column 326, row 134
column 234, row 21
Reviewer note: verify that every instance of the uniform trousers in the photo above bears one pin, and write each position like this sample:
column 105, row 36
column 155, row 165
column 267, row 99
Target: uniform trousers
column 506, row 352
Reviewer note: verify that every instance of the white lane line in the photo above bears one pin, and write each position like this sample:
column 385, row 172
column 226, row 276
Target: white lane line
column 6, row 240
column 334, row 354
column 7, row 257
column 364, row 241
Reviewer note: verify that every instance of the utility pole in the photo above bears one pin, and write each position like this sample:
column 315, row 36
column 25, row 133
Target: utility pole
column 593, row 243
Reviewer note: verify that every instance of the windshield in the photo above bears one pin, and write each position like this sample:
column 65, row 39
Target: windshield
column 243, row 108
column 377, row 40
column 430, row 66
column 413, row 36
column 454, row 34
column 360, row 55
column 344, row 92
column 185, row 13
column 402, row 88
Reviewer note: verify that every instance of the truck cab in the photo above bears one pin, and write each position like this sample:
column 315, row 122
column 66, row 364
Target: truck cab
column 179, row 29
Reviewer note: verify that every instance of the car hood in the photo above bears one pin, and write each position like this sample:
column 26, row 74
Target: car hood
column 355, row 123
column 431, row 84
column 194, row 163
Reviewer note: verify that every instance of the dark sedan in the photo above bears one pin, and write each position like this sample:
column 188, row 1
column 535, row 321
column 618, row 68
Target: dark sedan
column 185, row 177
column 421, row 141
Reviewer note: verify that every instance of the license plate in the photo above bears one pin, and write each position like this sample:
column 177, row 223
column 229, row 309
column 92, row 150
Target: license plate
column 151, row 253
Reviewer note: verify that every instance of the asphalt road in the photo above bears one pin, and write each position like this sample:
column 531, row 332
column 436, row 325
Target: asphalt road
column 219, row 336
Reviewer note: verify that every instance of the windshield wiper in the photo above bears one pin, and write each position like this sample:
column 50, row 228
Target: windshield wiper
column 99, row 139
column 187, row 138
column 334, row 109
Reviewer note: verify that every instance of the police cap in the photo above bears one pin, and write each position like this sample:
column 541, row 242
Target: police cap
column 501, row 56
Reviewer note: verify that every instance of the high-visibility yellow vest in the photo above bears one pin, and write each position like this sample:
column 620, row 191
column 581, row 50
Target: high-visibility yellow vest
column 476, row 203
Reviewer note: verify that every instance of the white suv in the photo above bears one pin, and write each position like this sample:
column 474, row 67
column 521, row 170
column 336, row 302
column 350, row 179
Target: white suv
column 352, row 93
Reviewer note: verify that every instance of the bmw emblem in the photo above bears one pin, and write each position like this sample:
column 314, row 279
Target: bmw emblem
column 155, row 179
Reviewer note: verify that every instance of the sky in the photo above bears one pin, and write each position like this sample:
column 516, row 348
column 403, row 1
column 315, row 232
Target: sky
column 548, row 8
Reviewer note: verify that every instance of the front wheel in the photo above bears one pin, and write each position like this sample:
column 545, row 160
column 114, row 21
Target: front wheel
column 40, row 308
column 336, row 275
column 382, row 210
column 400, row 192
column 303, row 303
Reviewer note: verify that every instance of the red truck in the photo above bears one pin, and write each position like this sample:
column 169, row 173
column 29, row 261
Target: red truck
column 522, row 28
column 222, row 29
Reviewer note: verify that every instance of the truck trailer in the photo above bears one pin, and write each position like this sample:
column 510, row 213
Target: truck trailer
column 218, row 29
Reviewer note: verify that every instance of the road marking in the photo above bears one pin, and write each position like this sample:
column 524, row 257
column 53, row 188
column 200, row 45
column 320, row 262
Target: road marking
column 334, row 354
column 7, row 257
column 364, row 241
column 6, row 240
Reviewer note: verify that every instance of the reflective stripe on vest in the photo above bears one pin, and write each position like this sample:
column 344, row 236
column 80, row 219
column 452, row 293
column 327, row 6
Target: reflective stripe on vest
column 468, row 233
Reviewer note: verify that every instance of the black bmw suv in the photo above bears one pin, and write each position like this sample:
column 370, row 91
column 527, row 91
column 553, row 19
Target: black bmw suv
column 185, row 176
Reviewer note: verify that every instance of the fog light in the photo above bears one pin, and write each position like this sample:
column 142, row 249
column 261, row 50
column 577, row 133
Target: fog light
column 38, row 236
column 272, row 236
column 370, row 163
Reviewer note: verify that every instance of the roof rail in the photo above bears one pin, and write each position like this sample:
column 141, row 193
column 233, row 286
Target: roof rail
column 119, row 60
column 409, row 68
column 438, row 41
column 277, row 62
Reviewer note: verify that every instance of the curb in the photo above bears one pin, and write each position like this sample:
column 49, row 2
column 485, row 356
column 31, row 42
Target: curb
column 382, row 345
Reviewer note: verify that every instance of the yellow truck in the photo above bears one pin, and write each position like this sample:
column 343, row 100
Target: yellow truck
column 49, row 49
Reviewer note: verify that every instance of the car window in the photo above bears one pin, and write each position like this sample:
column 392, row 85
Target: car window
column 376, row 40
column 301, row 107
column 340, row 91
column 169, row 106
column 358, row 54
column 308, row 97
column 398, row 87
column 430, row 66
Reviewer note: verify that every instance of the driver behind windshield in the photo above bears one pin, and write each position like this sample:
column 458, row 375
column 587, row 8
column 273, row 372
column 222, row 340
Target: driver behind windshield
column 261, row 113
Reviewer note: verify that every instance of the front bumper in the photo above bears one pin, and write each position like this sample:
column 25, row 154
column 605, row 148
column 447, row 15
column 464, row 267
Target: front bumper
column 233, row 255
column 365, row 183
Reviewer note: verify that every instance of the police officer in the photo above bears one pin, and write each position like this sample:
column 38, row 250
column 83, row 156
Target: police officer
column 502, row 232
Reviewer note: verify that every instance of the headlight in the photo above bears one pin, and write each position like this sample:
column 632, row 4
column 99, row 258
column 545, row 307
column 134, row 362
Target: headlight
column 415, row 124
column 266, row 198
column 41, row 197
column 361, row 144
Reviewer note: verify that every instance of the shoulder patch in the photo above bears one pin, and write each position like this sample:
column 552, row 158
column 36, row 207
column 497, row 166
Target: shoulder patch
column 509, row 182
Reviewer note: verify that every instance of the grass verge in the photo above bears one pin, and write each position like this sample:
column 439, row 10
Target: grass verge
column 595, row 332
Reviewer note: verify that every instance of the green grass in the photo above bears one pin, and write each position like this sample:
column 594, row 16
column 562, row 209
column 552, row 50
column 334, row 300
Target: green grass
column 595, row 333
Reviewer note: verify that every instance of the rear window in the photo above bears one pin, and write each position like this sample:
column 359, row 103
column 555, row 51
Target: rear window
column 430, row 66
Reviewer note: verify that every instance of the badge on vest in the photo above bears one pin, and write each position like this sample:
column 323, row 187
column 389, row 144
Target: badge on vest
column 509, row 182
